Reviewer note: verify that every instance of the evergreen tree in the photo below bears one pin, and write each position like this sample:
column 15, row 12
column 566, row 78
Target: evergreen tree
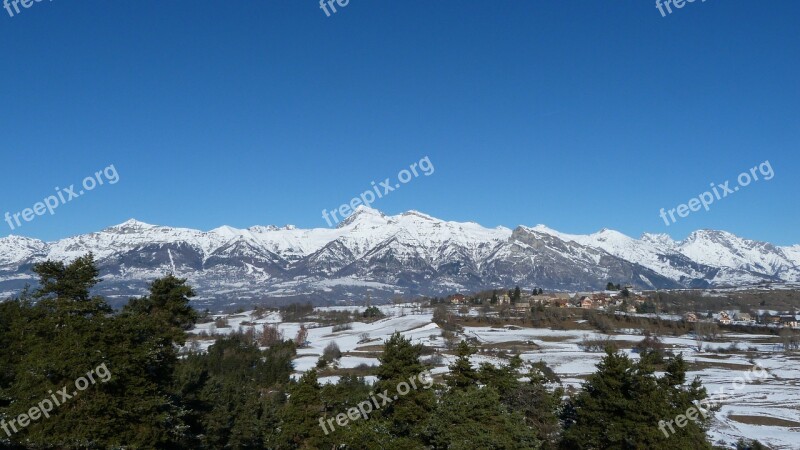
column 299, row 425
column 462, row 375
column 532, row 399
column 233, row 391
column 475, row 418
column 67, row 334
column 64, row 288
column 622, row 404
column 168, row 301
column 399, row 363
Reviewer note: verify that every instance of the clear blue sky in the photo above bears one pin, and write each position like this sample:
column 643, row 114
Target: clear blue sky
column 576, row 114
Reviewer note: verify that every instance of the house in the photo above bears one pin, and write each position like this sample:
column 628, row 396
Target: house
column 789, row 320
column 557, row 300
column 562, row 296
column 522, row 306
column 601, row 299
column 690, row 317
column 541, row 299
column 503, row 299
column 769, row 319
column 458, row 299
column 724, row 318
column 560, row 303
column 586, row 302
column 742, row 317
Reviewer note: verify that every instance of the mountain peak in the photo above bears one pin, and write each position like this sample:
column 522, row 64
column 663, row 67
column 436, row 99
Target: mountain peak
column 658, row 238
column 608, row 232
column 707, row 234
column 362, row 213
column 544, row 229
column 418, row 214
column 263, row 228
column 131, row 225
column 226, row 231
column 18, row 240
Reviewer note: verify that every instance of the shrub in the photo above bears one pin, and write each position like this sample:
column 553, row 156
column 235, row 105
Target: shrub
column 342, row 327
column 450, row 339
column 331, row 352
column 597, row 345
column 373, row 313
column 259, row 312
column 296, row 312
column 747, row 444
column 435, row 360
column 601, row 322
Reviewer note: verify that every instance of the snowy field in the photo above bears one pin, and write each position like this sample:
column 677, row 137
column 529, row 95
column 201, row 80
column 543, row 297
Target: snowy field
column 765, row 408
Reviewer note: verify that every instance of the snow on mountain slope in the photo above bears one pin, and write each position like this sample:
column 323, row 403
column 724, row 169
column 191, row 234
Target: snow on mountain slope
column 410, row 253
column 792, row 254
column 726, row 250
column 294, row 243
column 561, row 253
column 654, row 252
column 16, row 249
column 127, row 236
column 367, row 228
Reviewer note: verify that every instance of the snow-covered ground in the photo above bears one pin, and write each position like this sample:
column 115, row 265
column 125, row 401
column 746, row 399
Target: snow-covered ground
column 766, row 409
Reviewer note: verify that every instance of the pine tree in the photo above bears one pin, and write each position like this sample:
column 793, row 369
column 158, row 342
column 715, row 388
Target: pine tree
column 66, row 335
column 621, row 405
column 299, row 425
column 400, row 363
column 168, row 301
column 475, row 418
column 462, row 375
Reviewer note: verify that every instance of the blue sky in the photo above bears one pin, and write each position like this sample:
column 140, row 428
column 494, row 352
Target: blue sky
column 579, row 115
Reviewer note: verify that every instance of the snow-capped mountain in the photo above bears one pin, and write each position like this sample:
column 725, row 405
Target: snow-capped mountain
column 407, row 254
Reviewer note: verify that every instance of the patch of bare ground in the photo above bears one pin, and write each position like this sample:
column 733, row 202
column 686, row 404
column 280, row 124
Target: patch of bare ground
column 416, row 328
column 364, row 354
column 716, row 356
column 362, row 370
column 703, row 365
column 370, row 348
column 516, row 346
column 764, row 420
column 554, row 338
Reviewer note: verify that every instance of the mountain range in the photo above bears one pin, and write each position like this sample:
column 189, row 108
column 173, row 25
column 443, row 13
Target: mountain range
column 408, row 254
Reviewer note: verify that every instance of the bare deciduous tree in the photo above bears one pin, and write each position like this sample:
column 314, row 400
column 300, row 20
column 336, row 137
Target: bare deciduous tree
column 302, row 336
column 270, row 335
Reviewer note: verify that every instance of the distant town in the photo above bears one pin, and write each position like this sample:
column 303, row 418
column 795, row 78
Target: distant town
column 615, row 299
